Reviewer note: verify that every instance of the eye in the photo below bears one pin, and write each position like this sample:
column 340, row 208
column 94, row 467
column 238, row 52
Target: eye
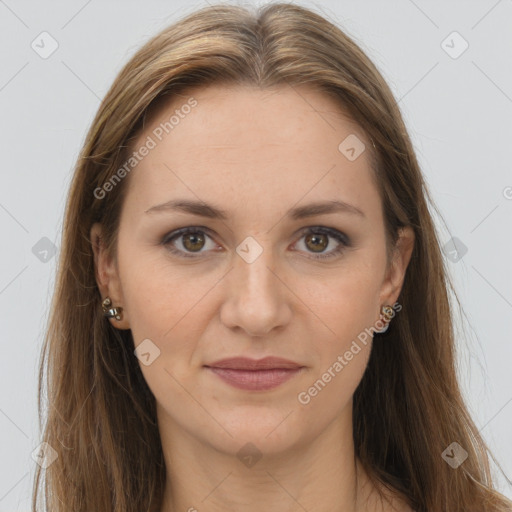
column 317, row 239
column 189, row 242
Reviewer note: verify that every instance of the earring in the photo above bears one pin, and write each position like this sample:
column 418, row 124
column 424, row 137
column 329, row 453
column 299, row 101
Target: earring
column 387, row 313
column 111, row 312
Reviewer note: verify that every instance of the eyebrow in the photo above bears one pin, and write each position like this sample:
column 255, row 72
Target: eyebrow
column 301, row 212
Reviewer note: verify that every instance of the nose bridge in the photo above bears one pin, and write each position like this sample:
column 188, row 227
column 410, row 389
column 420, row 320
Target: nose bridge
column 252, row 265
column 256, row 301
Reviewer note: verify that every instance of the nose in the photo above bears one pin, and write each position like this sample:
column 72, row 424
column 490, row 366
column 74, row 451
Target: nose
column 257, row 296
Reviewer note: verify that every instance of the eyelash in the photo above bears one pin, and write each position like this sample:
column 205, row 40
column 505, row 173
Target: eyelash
column 343, row 240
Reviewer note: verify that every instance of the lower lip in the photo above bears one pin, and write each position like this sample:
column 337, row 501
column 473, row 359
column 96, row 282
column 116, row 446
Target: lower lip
column 255, row 380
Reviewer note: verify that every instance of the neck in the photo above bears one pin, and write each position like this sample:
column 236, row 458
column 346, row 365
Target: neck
column 321, row 475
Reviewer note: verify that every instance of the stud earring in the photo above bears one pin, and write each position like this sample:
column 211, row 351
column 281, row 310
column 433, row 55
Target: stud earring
column 387, row 313
column 111, row 312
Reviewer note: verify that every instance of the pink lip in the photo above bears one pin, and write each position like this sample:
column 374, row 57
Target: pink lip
column 252, row 374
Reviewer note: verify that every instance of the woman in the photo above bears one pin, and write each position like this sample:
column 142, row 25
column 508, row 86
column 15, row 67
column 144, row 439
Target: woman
column 251, row 310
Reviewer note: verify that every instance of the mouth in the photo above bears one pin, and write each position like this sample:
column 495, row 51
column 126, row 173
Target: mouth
column 255, row 375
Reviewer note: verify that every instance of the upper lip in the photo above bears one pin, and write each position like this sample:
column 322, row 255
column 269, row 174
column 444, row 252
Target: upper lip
column 244, row 363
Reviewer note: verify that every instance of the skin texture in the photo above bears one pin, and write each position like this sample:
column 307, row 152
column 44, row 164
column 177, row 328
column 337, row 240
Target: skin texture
column 257, row 154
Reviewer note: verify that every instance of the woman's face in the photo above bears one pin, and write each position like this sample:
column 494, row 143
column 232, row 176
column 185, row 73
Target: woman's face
column 275, row 277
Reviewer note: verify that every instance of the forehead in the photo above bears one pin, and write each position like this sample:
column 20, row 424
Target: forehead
column 252, row 145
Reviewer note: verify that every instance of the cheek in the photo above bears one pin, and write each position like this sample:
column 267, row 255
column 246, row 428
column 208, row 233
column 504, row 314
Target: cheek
column 165, row 307
column 347, row 301
column 158, row 295
column 344, row 309
column 172, row 307
column 347, row 306
column 330, row 391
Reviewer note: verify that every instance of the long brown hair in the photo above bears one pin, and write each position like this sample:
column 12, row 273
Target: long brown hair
column 408, row 408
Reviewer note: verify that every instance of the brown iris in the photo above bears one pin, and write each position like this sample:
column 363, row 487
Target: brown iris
column 196, row 241
column 320, row 241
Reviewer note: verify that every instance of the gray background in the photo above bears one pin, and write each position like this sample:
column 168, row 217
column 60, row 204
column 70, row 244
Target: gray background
column 458, row 111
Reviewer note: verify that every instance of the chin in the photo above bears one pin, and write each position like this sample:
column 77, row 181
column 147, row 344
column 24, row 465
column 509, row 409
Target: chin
column 267, row 431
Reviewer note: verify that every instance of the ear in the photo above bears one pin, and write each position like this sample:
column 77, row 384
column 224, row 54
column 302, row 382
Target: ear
column 107, row 277
column 395, row 274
